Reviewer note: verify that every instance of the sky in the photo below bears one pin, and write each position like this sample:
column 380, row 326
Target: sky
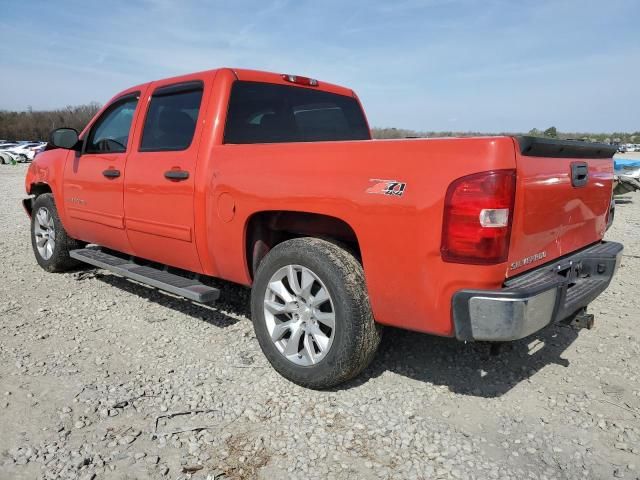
column 437, row 65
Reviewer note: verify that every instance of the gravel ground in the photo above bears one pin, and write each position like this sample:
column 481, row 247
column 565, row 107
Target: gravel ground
column 96, row 372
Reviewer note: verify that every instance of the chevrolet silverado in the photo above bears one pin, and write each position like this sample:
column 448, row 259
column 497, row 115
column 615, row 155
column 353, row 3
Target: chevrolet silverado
column 273, row 181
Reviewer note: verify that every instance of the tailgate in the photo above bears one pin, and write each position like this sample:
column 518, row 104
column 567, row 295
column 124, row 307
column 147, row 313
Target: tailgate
column 563, row 194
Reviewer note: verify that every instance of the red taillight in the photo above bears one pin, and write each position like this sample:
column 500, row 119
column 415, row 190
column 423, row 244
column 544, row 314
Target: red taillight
column 309, row 82
column 478, row 210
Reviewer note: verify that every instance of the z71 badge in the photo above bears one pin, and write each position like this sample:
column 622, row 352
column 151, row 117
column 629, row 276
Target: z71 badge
column 387, row 187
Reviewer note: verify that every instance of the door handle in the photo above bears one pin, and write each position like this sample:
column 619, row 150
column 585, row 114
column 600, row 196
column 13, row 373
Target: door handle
column 110, row 173
column 177, row 175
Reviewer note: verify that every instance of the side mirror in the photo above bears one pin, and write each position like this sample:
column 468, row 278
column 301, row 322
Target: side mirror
column 64, row 138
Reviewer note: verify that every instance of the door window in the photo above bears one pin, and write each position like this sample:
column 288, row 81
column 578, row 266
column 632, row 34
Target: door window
column 110, row 133
column 172, row 117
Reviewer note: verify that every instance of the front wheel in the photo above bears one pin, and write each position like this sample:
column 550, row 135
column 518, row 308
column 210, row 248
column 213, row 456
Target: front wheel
column 49, row 239
column 311, row 313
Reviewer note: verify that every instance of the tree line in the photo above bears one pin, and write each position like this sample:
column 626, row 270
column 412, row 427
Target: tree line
column 551, row 132
column 37, row 124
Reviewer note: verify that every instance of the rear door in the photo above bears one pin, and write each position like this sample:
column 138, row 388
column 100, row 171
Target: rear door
column 159, row 184
column 563, row 195
column 93, row 178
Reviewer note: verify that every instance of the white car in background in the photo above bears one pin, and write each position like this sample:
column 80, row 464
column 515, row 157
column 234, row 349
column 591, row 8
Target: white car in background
column 5, row 155
column 20, row 151
column 28, row 150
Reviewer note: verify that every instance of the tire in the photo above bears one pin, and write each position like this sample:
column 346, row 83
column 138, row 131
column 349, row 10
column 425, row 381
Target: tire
column 323, row 357
column 50, row 242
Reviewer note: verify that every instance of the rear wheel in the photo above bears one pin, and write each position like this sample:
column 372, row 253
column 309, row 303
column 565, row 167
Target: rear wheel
column 311, row 313
column 50, row 242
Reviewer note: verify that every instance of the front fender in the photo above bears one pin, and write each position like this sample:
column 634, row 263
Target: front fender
column 45, row 175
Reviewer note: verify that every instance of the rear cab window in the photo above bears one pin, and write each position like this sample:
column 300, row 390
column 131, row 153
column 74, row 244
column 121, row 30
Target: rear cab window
column 270, row 113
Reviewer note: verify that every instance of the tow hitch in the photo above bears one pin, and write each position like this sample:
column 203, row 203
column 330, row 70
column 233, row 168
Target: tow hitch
column 582, row 319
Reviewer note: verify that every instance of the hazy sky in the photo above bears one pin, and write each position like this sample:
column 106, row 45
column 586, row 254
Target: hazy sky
column 487, row 65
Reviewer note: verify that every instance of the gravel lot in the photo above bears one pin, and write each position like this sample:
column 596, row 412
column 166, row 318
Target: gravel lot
column 95, row 372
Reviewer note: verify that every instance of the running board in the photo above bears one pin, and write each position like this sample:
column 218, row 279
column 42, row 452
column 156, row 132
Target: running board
column 186, row 287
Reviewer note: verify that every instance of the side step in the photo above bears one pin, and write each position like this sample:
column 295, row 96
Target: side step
column 185, row 287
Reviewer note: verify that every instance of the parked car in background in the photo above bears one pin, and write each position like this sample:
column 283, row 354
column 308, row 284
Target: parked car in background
column 6, row 156
column 21, row 151
column 28, row 150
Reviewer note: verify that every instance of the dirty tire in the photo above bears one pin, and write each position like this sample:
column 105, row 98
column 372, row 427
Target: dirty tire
column 60, row 260
column 357, row 336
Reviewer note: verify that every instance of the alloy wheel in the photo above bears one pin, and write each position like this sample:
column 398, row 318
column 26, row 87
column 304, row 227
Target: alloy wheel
column 44, row 233
column 299, row 315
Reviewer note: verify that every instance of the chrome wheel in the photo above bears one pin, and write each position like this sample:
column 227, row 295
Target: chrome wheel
column 44, row 233
column 299, row 314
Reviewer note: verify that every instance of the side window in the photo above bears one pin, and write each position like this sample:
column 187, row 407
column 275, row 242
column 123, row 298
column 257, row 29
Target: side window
column 171, row 118
column 110, row 133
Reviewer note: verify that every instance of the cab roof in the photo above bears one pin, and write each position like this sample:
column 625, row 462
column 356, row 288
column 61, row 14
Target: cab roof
column 245, row 75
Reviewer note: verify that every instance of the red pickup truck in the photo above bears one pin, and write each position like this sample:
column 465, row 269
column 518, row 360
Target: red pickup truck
column 273, row 181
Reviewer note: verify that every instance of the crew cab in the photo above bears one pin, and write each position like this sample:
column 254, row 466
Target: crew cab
column 273, row 181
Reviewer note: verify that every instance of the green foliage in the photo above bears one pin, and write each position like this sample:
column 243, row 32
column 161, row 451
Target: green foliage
column 551, row 132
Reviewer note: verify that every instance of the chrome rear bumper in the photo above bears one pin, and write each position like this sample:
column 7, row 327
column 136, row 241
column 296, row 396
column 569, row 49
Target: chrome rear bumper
column 527, row 303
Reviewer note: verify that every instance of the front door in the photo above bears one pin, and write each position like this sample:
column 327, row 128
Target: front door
column 159, row 180
column 94, row 177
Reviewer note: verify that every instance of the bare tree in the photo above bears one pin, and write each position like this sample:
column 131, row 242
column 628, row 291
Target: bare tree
column 36, row 125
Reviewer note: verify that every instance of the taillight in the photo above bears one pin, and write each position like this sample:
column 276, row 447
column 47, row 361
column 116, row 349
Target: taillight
column 309, row 82
column 478, row 210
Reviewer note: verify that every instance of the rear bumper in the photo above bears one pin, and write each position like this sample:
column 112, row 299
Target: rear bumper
column 528, row 302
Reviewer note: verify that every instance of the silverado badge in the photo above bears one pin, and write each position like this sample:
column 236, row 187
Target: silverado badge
column 527, row 260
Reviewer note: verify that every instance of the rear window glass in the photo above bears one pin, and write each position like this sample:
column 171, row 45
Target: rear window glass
column 269, row 113
column 172, row 117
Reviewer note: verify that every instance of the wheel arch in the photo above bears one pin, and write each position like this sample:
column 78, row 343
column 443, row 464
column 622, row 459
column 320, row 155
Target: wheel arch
column 266, row 229
column 36, row 189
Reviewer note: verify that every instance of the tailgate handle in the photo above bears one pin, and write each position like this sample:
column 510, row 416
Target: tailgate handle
column 579, row 174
